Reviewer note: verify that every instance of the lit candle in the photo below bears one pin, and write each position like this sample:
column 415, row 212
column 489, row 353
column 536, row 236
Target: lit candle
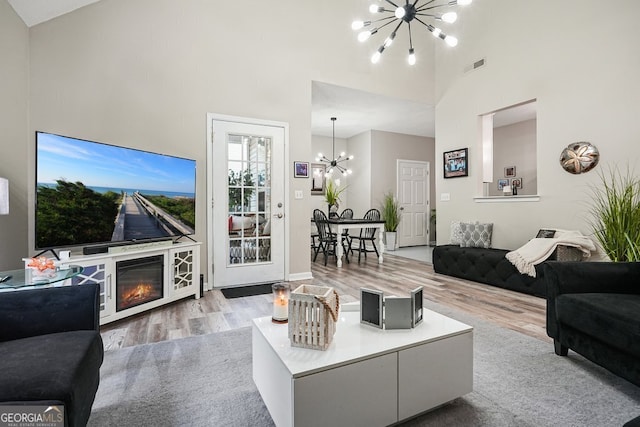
column 280, row 302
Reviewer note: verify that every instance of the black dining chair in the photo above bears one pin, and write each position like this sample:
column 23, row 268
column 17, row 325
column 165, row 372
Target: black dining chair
column 326, row 241
column 346, row 240
column 366, row 235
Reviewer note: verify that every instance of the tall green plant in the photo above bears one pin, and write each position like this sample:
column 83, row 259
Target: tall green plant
column 332, row 193
column 390, row 212
column 616, row 215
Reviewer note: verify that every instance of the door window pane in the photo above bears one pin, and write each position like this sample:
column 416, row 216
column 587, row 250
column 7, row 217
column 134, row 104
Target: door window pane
column 249, row 201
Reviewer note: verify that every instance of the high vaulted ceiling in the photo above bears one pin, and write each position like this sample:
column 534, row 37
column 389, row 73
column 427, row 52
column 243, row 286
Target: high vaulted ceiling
column 356, row 111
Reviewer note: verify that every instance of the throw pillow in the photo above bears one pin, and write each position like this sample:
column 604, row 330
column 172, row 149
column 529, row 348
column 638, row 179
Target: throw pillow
column 456, row 233
column 545, row 234
column 476, row 235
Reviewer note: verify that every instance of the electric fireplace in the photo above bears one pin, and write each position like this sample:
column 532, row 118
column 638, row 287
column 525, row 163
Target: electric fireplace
column 139, row 281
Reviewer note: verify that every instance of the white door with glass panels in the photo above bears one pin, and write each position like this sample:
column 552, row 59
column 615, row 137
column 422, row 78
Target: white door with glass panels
column 413, row 201
column 247, row 212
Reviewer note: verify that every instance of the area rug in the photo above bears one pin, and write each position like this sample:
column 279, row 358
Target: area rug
column 246, row 291
column 207, row 381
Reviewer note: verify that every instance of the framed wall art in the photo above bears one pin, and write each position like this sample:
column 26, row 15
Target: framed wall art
column 509, row 171
column 517, row 183
column 318, row 179
column 502, row 182
column 456, row 163
column 301, row 169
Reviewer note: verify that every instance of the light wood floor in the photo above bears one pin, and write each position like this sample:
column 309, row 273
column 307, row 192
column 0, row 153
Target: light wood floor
column 397, row 275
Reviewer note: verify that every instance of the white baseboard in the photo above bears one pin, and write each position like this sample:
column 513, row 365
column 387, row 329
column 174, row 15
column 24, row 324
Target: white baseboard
column 300, row 276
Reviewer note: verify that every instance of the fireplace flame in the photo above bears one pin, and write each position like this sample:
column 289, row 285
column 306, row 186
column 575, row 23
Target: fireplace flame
column 140, row 292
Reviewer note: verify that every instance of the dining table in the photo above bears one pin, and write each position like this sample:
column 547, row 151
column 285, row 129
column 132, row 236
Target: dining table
column 342, row 224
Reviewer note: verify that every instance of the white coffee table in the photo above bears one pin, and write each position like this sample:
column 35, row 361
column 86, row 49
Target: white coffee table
column 367, row 376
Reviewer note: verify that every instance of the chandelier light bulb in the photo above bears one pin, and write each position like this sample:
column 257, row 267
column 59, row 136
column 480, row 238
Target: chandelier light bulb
column 389, row 40
column 399, row 13
column 374, row 8
column 449, row 17
column 412, row 57
column 357, row 25
column 364, row 36
column 451, row 41
column 464, row 2
column 350, row 157
column 436, row 32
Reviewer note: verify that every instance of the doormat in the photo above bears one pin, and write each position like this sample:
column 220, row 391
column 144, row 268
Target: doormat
column 246, row 291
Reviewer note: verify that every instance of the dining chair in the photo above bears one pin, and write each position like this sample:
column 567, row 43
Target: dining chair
column 346, row 214
column 367, row 235
column 327, row 240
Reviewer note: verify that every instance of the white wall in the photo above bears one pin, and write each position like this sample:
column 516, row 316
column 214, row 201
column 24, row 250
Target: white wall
column 14, row 67
column 359, row 190
column 580, row 65
column 386, row 149
column 515, row 145
column 144, row 73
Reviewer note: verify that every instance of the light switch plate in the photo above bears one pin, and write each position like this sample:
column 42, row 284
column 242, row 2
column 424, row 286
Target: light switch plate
column 298, row 194
column 445, row 197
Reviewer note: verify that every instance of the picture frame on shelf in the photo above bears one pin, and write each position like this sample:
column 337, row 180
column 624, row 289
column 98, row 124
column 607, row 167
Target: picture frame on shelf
column 301, row 169
column 456, row 163
column 503, row 182
column 318, row 179
column 510, row 171
column 517, row 183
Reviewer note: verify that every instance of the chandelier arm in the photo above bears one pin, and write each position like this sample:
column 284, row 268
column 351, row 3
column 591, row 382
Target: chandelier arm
column 386, row 18
column 390, row 22
column 395, row 30
column 427, row 7
column 427, row 14
column 410, row 38
column 392, row 3
column 429, row 27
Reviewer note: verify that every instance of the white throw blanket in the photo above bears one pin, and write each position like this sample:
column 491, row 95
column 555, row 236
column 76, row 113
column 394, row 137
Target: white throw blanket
column 537, row 250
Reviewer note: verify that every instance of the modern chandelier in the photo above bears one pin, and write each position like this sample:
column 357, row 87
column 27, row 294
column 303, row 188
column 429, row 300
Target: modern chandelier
column 335, row 163
column 410, row 12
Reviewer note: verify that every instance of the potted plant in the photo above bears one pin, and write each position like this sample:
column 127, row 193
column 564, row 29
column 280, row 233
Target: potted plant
column 332, row 197
column 391, row 217
column 616, row 215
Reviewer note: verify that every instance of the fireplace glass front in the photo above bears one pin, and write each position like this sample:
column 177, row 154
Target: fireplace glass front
column 139, row 281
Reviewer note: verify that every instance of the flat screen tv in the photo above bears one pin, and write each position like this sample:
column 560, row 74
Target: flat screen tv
column 90, row 193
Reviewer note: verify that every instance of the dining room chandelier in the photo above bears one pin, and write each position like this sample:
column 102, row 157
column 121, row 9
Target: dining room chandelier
column 410, row 12
column 335, row 163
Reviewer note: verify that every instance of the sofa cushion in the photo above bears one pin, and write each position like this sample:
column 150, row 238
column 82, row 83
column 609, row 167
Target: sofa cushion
column 610, row 318
column 56, row 367
column 476, row 235
column 456, row 233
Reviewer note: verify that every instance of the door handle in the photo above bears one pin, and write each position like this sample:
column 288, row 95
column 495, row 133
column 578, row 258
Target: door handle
column 401, row 208
column 278, row 215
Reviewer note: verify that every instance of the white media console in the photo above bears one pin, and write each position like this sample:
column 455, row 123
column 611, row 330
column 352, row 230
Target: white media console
column 180, row 274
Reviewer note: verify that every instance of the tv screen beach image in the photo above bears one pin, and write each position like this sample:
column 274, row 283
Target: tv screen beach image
column 89, row 192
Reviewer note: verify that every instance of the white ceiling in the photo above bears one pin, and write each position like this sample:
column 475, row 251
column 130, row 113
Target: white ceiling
column 34, row 12
column 356, row 111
